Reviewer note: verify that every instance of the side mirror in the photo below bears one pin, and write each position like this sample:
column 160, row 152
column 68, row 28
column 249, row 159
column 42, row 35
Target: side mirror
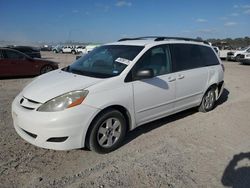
column 144, row 74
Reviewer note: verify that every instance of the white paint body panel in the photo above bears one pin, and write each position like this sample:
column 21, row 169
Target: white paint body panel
column 144, row 100
column 190, row 87
column 56, row 83
column 153, row 98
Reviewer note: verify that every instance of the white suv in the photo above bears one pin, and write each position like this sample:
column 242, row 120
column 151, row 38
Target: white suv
column 68, row 49
column 115, row 88
column 235, row 55
column 245, row 58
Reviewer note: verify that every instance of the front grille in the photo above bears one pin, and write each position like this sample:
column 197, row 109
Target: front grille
column 32, row 101
column 28, row 108
column 242, row 56
column 29, row 104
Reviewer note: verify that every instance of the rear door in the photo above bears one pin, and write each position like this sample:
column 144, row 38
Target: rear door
column 191, row 74
column 154, row 97
column 5, row 66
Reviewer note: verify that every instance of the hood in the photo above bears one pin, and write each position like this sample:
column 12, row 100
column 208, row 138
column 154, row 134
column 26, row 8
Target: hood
column 55, row 83
column 44, row 60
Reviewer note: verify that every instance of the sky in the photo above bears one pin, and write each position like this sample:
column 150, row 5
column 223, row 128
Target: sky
column 109, row 20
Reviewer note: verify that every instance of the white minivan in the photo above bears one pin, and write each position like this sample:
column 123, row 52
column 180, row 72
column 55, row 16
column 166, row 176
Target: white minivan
column 115, row 88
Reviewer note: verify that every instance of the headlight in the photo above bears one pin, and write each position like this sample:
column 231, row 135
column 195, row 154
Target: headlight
column 64, row 101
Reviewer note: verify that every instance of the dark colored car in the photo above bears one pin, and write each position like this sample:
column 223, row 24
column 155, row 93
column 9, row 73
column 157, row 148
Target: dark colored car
column 30, row 51
column 46, row 48
column 15, row 63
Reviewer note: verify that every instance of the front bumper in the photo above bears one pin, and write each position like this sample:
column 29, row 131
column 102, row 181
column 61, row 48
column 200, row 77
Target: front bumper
column 53, row 130
column 246, row 61
column 231, row 57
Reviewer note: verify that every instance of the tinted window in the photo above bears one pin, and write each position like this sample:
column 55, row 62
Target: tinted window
column 186, row 56
column 209, row 56
column 1, row 54
column 13, row 55
column 157, row 58
column 190, row 56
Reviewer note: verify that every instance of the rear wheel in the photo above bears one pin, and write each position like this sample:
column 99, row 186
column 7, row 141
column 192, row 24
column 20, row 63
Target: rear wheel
column 73, row 52
column 208, row 101
column 107, row 132
column 45, row 69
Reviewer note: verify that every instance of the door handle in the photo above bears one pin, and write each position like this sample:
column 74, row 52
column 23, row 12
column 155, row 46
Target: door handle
column 171, row 79
column 181, row 76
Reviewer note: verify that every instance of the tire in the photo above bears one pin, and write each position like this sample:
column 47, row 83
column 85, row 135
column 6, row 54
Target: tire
column 55, row 51
column 73, row 52
column 237, row 59
column 107, row 132
column 45, row 69
column 208, row 101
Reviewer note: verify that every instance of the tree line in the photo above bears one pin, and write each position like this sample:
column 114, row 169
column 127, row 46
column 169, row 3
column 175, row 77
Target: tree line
column 235, row 43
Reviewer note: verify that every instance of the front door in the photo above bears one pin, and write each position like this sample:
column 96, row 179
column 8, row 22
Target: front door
column 154, row 97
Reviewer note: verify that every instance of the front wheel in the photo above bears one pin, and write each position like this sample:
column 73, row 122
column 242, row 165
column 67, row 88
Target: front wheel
column 237, row 59
column 107, row 132
column 45, row 69
column 208, row 101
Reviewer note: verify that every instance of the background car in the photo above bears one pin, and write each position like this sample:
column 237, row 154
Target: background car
column 15, row 63
column 90, row 47
column 235, row 56
column 245, row 58
column 57, row 49
column 46, row 48
column 68, row 49
column 217, row 50
column 28, row 50
column 80, row 49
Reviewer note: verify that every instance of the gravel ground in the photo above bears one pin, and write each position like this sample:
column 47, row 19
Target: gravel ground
column 189, row 149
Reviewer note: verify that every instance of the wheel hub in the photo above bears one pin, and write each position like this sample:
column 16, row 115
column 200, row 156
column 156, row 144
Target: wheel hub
column 109, row 132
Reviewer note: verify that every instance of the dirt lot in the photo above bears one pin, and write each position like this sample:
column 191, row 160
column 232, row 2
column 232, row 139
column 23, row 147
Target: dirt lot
column 189, row 149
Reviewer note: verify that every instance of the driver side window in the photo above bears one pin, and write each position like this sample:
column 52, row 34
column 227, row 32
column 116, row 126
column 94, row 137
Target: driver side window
column 157, row 58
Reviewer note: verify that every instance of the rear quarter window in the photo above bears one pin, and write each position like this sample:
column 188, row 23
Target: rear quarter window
column 186, row 56
column 210, row 58
column 191, row 56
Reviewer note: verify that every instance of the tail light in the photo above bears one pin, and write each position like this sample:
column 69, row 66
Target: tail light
column 223, row 67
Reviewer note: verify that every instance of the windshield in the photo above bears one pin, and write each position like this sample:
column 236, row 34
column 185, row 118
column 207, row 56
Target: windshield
column 245, row 48
column 105, row 61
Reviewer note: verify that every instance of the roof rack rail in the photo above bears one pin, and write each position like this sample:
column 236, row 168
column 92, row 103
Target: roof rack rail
column 139, row 38
column 161, row 38
column 180, row 38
